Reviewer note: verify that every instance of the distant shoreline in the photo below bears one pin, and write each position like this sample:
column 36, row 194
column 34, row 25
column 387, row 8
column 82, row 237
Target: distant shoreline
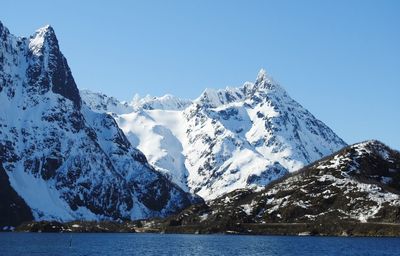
column 345, row 229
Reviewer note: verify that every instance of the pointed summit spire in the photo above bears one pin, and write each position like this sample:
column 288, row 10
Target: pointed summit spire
column 263, row 80
column 263, row 77
column 44, row 43
column 261, row 74
column 266, row 82
column 45, row 32
column 45, row 28
column 44, row 35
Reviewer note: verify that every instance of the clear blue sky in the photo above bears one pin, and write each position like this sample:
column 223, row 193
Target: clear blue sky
column 339, row 59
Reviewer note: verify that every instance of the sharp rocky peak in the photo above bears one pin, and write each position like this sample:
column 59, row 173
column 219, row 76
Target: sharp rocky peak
column 44, row 46
column 43, row 37
column 263, row 85
column 45, row 31
column 263, row 77
column 37, row 65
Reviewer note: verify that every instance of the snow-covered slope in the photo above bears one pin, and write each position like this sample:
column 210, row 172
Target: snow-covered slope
column 63, row 159
column 242, row 137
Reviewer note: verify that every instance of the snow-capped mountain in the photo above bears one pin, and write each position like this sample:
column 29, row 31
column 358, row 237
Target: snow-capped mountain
column 166, row 102
column 64, row 160
column 242, row 137
column 358, row 184
column 101, row 103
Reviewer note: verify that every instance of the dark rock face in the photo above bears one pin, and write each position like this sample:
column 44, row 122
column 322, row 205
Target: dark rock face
column 61, row 77
column 13, row 209
column 160, row 189
column 355, row 185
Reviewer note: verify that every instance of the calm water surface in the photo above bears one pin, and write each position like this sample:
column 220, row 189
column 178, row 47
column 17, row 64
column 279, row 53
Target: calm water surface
column 160, row 244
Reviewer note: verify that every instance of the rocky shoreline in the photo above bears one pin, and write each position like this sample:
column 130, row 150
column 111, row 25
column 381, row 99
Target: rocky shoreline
column 297, row 229
column 76, row 227
column 353, row 229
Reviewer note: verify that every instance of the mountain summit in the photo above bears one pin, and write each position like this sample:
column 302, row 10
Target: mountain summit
column 243, row 137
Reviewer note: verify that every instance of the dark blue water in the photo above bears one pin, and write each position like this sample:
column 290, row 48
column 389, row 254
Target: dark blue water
column 158, row 244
